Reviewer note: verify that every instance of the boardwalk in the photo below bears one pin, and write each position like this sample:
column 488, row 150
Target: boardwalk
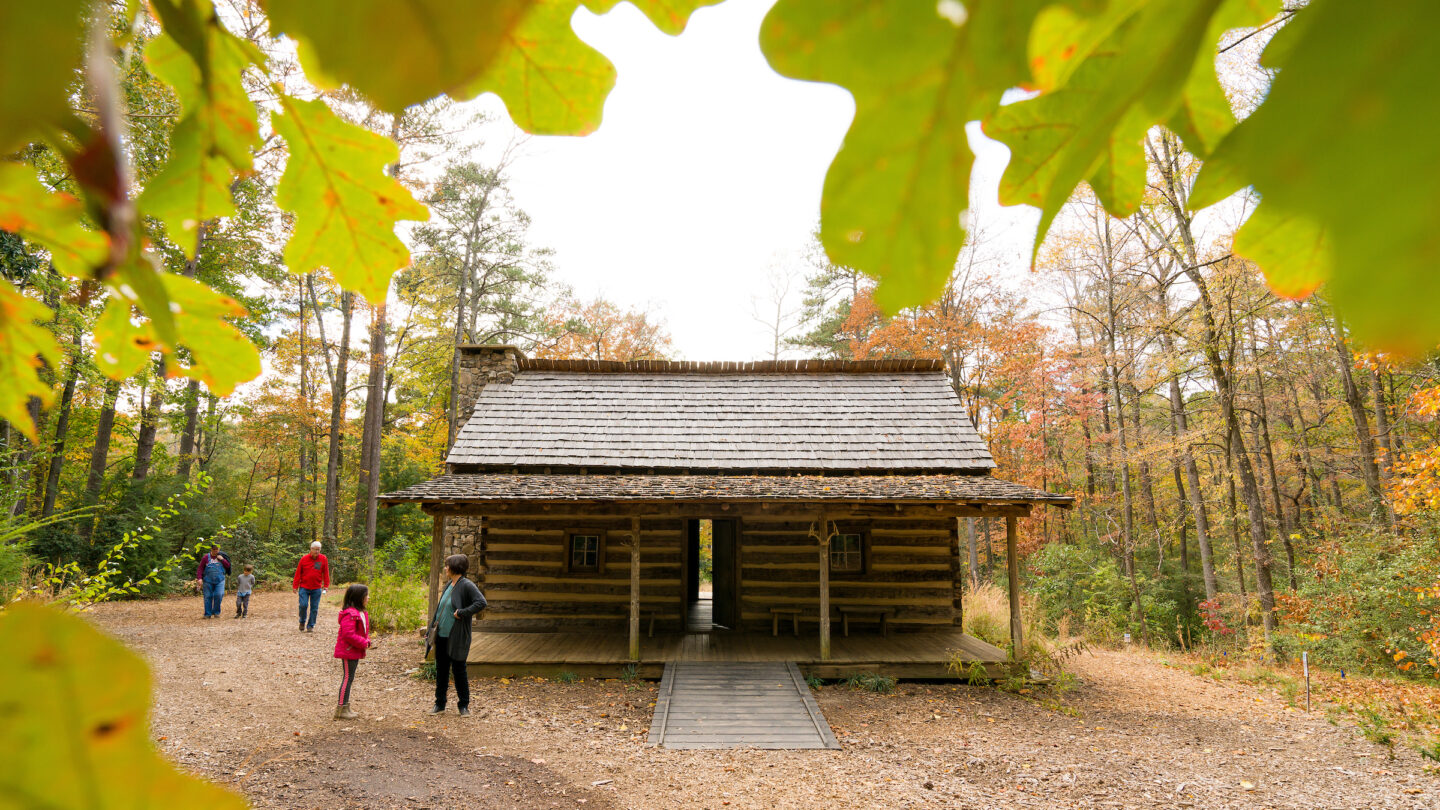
column 737, row 705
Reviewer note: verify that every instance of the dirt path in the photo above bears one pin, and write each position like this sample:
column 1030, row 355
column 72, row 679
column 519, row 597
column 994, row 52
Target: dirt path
column 248, row 703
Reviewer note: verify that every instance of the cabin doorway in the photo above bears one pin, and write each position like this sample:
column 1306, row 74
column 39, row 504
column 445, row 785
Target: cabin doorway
column 711, row 575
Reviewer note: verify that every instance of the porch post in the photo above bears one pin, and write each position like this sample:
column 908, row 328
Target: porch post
column 824, row 587
column 635, row 588
column 437, row 558
column 1012, row 572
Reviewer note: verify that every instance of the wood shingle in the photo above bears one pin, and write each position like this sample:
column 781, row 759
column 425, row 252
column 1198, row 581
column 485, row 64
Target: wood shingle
column 891, row 416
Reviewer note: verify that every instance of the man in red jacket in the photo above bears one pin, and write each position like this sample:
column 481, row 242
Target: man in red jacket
column 312, row 577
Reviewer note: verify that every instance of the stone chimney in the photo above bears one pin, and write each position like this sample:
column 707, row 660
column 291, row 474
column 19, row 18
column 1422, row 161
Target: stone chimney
column 480, row 366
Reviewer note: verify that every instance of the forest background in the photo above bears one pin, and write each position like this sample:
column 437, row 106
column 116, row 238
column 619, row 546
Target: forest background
column 1248, row 475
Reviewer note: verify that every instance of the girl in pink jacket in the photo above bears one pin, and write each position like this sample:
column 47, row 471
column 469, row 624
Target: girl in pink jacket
column 351, row 644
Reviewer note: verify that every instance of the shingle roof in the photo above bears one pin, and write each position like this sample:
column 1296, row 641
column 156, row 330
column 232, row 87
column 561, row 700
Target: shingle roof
column 471, row 487
column 670, row 419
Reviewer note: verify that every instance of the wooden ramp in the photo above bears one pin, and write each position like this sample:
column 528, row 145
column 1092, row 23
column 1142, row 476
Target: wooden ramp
column 763, row 704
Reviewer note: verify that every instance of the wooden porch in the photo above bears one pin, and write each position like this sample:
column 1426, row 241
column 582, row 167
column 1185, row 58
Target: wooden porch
column 900, row 655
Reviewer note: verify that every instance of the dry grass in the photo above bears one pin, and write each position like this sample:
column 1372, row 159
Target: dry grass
column 987, row 617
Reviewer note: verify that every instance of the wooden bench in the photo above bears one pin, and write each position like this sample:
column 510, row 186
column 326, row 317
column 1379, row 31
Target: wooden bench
column 883, row 614
column 777, row 612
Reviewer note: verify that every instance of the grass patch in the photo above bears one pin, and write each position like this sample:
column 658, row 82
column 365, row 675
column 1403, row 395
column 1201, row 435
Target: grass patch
column 814, row 682
column 1374, row 728
column 871, row 682
column 425, row 672
column 1429, row 749
column 566, row 676
column 630, row 673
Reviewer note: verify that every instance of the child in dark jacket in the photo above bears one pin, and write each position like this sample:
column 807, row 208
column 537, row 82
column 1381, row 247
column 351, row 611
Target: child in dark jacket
column 351, row 644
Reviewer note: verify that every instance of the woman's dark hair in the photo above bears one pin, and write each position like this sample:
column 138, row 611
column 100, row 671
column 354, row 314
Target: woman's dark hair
column 458, row 564
column 355, row 597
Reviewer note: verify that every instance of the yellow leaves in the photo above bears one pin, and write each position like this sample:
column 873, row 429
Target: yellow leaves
column 22, row 345
column 50, row 219
column 71, row 739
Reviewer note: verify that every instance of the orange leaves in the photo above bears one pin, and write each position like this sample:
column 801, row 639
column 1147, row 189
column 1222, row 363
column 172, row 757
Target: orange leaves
column 600, row 330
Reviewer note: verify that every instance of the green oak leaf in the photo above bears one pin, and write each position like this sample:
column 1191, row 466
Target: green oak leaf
column 431, row 46
column 221, row 356
column 670, row 16
column 219, row 129
column 894, row 196
column 1293, row 252
column 344, row 203
column 40, row 50
column 192, row 187
column 216, row 95
column 71, row 739
column 1204, row 116
column 1063, row 37
column 1346, row 140
column 552, row 83
column 50, row 219
column 1090, row 126
column 121, row 347
column 24, row 343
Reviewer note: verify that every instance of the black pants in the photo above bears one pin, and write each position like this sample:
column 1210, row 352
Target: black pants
column 444, row 666
column 347, row 678
column 242, row 604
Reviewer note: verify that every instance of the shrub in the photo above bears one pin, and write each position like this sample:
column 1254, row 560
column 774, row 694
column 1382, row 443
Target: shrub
column 1364, row 604
column 398, row 603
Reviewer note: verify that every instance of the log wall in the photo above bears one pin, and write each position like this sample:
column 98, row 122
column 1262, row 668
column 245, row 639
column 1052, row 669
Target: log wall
column 518, row 557
column 529, row 590
column 910, row 570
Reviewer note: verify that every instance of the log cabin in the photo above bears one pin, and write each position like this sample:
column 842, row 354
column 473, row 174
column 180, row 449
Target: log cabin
column 832, row 493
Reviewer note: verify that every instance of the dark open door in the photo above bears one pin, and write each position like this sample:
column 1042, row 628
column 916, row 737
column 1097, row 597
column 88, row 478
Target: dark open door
column 725, row 553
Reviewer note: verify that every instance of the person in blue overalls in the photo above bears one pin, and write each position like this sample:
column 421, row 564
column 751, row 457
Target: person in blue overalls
column 212, row 572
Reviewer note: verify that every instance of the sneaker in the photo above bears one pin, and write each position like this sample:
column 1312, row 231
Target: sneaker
column 436, row 709
column 309, row 629
column 465, row 712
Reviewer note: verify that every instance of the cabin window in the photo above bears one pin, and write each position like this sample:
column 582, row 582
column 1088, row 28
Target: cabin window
column 584, row 552
column 847, row 553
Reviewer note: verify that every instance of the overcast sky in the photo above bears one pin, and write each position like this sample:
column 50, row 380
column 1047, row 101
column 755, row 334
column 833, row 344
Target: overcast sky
column 706, row 172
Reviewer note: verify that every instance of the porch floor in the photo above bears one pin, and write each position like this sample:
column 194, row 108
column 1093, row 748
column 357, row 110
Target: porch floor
column 901, row 655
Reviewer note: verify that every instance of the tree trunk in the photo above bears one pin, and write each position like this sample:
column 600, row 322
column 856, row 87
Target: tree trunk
column 149, row 423
column 1127, row 499
column 1234, row 510
column 187, row 436
column 62, row 430
column 1263, row 418
column 100, row 454
column 369, row 481
column 303, row 436
column 1364, row 441
column 338, row 389
column 974, row 550
column 1181, row 429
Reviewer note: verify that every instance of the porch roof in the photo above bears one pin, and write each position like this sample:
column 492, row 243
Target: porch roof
column 494, row 487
